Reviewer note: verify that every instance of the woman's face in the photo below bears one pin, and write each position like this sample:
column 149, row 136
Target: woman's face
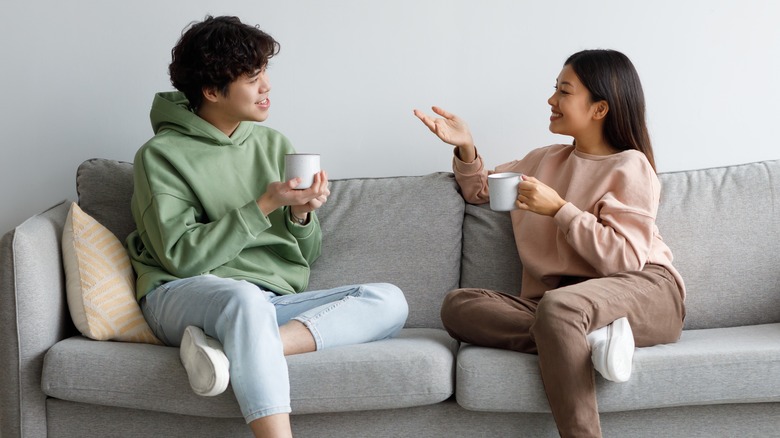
column 572, row 107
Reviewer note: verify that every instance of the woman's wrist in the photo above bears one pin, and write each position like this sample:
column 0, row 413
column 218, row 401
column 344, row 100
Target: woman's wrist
column 467, row 153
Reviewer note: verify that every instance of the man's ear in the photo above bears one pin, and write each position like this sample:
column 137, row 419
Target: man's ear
column 602, row 108
column 210, row 94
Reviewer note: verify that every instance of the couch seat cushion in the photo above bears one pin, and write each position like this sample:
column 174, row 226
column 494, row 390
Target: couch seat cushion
column 709, row 366
column 416, row 368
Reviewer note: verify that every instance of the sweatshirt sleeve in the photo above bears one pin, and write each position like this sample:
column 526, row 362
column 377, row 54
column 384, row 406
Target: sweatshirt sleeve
column 472, row 179
column 309, row 236
column 618, row 235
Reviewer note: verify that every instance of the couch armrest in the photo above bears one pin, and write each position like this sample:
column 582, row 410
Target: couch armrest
column 33, row 317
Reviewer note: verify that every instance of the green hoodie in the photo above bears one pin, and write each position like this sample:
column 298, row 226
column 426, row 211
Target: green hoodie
column 194, row 205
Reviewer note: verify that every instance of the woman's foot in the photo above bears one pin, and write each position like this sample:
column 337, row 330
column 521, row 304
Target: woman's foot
column 207, row 366
column 612, row 350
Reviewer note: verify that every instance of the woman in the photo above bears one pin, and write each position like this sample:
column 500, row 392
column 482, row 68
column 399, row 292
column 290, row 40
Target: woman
column 597, row 277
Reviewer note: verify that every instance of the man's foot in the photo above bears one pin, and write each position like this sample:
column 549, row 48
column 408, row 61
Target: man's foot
column 612, row 350
column 207, row 366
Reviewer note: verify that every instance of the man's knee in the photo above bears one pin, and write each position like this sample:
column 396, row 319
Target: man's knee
column 245, row 300
column 393, row 300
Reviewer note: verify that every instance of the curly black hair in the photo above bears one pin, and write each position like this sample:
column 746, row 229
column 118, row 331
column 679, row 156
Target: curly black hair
column 214, row 53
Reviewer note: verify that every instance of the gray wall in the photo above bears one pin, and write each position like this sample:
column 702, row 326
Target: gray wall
column 78, row 79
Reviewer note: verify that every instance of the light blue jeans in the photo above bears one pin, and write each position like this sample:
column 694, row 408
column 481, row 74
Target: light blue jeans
column 246, row 320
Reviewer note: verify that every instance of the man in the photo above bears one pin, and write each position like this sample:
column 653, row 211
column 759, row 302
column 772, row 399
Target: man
column 223, row 247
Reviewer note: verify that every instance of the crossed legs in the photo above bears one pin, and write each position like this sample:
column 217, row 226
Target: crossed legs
column 257, row 329
column 555, row 328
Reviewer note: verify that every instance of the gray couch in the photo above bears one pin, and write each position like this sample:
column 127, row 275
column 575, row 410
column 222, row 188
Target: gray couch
column 721, row 379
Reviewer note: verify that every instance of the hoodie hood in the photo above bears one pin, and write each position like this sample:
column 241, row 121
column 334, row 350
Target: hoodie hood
column 170, row 111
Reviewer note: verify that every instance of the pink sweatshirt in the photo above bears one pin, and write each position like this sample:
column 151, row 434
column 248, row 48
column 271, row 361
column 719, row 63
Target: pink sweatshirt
column 607, row 225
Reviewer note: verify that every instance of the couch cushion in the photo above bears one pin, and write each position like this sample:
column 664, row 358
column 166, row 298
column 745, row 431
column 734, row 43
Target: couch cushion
column 401, row 230
column 490, row 260
column 723, row 226
column 416, row 368
column 710, row 366
column 104, row 188
column 99, row 282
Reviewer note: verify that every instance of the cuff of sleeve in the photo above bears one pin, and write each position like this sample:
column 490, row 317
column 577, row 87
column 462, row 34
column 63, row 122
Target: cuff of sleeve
column 254, row 219
column 465, row 168
column 566, row 215
column 298, row 230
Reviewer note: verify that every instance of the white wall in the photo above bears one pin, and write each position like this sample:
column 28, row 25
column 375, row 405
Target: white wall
column 78, row 79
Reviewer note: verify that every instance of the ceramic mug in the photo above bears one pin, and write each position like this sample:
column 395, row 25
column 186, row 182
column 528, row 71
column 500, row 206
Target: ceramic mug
column 503, row 190
column 303, row 166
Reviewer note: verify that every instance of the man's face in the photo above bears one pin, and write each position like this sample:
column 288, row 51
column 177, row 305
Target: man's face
column 247, row 98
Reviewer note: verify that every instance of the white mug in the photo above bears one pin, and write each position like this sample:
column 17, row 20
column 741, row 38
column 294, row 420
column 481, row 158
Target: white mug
column 303, row 166
column 503, row 190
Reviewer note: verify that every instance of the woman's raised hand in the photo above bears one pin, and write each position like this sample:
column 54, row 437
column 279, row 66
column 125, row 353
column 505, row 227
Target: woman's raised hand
column 450, row 129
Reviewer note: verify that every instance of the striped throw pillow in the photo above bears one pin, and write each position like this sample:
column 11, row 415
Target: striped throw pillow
column 100, row 283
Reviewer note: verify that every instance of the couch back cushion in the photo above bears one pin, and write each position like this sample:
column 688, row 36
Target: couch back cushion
column 490, row 259
column 723, row 226
column 104, row 188
column 400, row 230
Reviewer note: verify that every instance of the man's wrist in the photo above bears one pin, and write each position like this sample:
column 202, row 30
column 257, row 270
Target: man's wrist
column 266, row 204
column 299, row 220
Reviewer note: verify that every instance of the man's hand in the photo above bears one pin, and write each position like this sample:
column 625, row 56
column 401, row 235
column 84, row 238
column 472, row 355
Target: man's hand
column 279, row 194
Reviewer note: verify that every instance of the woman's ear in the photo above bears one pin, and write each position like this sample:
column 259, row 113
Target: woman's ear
column 602, row 108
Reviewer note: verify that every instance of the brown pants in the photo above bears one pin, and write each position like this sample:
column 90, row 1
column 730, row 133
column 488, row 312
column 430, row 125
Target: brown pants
column 555, row 328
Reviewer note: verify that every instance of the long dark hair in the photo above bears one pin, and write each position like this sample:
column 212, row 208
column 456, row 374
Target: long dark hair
column 609, row 75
